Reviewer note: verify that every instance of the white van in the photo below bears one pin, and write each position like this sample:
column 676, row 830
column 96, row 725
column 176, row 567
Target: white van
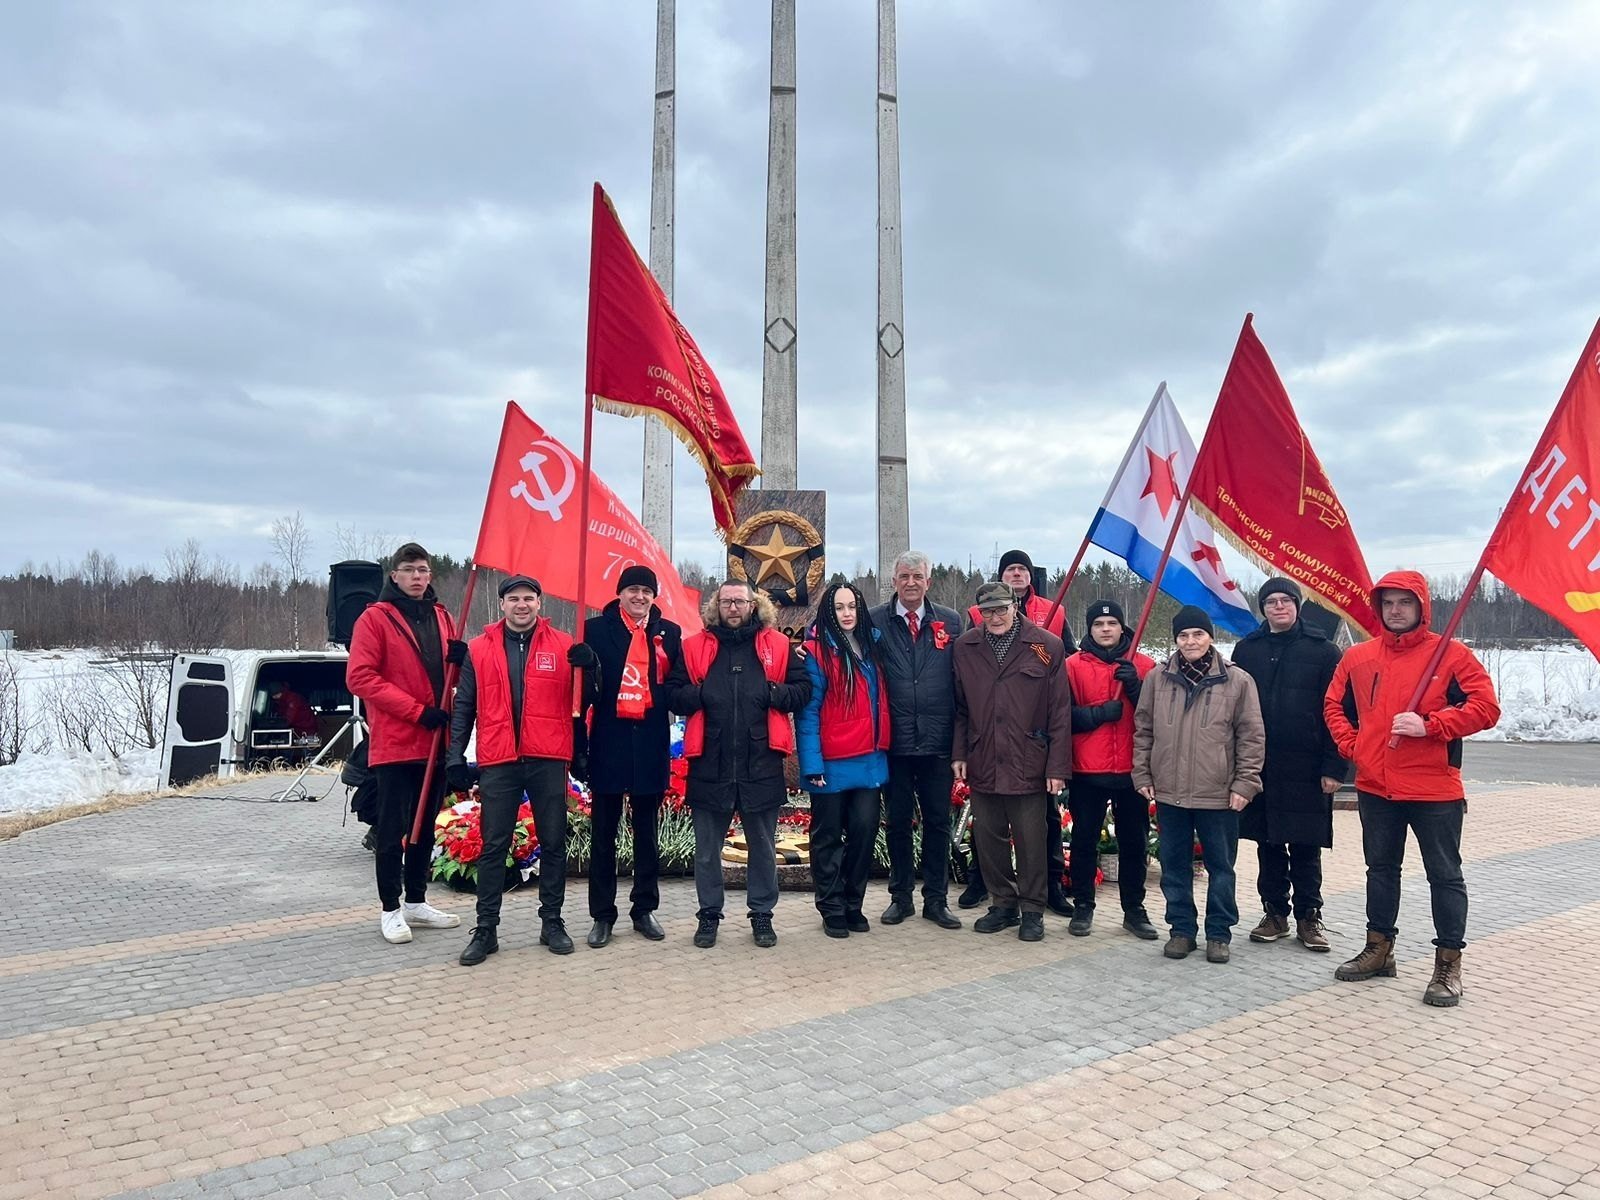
column 223, row 716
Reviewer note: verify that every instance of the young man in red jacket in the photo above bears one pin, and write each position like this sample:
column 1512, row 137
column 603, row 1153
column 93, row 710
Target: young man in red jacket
column 1416, row 785
column 516, row 687
column 398, row 652
column 1106, row 675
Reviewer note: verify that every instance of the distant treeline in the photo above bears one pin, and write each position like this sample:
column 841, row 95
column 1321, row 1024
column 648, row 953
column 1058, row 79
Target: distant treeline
column 199, row 602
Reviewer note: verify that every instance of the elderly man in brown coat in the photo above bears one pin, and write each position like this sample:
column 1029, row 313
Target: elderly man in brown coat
column 1013, row 746
column 1198, row 746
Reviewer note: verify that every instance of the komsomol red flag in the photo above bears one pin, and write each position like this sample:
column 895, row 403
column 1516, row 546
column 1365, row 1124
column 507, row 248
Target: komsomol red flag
column 642, row 360
column 531, row 526
column 1260, row 484
column 1546, row 547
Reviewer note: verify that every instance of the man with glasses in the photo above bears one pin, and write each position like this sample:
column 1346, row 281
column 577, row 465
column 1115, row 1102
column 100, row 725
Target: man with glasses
column 398, row 652
column 738, row 681
column 918, row 670
column 1292, row 819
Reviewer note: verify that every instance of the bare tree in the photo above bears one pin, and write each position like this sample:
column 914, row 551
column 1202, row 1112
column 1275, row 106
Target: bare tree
column 83, row 715
column 370, row 545
column 291, row 541
column 140, row 680
column 16, row 723
column 201, row 594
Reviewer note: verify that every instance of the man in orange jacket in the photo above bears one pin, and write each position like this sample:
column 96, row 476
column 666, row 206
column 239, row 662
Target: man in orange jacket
column 1417, row 784
column 516, row 686
column 398, row 652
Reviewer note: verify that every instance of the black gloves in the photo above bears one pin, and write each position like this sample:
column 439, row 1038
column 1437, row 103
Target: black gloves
column 459, row 777
column 1105, row 713
column 455, row 652
column 582, row 655
column 433, row 718
column 1127, row 675
column 579, row 767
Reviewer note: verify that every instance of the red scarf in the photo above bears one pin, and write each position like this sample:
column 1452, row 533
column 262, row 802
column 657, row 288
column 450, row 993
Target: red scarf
column 633, row 692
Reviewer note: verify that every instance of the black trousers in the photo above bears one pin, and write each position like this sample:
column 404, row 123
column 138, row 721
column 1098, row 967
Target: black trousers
column 1130, row 812
column 644, row 814
column 1286, row 867
column 501, row 789
column 919, row 781
column 1437, row 827
column 844, row 826
column 399, row 787
column 1054, row 866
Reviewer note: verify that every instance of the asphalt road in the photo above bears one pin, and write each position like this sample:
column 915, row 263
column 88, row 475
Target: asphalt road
column 1532, row 762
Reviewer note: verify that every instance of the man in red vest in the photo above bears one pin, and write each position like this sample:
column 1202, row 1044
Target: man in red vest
column 516, row 686
column 737, row 682
column 398, row 652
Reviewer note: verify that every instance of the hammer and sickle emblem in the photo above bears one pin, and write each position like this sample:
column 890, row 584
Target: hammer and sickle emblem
column 548, row 499
column 630, row 676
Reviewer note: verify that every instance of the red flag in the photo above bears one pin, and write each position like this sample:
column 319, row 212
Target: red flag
column 1260, row 484
column 531, row 526
column 1546, row 547
column 642, row 360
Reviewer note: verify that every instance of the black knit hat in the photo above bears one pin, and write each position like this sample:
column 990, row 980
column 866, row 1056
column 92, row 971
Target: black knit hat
column 1190, row 617
column 1277, row 586
column 638, row 576
column 1012, row 558
column 1104, row 608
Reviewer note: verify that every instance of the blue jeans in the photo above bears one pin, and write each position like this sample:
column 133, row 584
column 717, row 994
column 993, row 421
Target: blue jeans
column 1217, row 830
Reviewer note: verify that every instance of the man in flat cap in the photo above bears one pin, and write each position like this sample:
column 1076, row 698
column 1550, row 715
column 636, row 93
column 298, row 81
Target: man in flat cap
column 516, row 686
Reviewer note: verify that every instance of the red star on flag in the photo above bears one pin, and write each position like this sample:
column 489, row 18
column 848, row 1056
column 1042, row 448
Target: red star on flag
column 1163, row 481
column 1207, row 553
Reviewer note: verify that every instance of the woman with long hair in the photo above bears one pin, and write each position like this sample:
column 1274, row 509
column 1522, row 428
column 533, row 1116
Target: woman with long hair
column 844, row 754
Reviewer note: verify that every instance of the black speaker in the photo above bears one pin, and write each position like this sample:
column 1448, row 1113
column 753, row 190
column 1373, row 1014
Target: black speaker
column 352, row 585
column 1325, row 621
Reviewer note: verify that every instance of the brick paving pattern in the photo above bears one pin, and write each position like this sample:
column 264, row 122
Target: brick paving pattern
column 195, row 1001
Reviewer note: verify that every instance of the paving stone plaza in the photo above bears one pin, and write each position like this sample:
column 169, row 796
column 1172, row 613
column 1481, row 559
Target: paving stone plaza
column 196, row 1001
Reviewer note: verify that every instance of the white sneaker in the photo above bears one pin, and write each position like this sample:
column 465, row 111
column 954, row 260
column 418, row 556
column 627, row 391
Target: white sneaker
column 426, row 916
column 394, row 927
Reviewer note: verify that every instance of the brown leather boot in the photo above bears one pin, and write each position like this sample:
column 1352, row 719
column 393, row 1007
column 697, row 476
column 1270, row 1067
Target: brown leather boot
column 1444, row 989
column 1376, row 959
column 1271, row 928
column 1309, row 930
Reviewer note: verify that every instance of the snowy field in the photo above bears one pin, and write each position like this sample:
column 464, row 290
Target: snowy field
column 81, row 737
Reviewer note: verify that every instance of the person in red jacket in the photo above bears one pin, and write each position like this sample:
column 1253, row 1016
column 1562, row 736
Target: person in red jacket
column 398, row 652
column 1417, row 784
column 516, row 687
column 1106, row 675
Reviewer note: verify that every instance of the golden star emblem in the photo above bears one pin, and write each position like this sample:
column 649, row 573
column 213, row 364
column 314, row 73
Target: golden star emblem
column 776, row 556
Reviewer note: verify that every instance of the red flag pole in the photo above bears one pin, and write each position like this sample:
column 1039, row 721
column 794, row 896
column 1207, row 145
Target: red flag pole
column 588, row 445
column 1061, row 592
column 1161, row 564
column 451, row 671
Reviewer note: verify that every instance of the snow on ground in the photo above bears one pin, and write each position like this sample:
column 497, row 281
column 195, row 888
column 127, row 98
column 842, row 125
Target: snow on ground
column 1550, row 694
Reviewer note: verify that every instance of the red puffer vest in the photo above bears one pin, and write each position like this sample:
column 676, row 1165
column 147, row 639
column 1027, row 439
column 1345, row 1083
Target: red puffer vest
column 546, row 697
column 847, row 725
column 772, row 648
column 1106, row 749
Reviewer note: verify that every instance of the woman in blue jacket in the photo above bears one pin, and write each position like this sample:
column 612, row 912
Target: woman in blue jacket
column 844, row 754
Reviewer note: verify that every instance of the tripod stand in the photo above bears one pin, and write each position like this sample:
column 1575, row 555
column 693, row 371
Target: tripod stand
column 295, row 789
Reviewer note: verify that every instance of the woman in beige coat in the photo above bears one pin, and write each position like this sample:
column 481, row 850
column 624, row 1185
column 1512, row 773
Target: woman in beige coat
column 1198, row 746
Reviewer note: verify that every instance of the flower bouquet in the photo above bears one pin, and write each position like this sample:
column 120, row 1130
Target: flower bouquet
column 458, row 845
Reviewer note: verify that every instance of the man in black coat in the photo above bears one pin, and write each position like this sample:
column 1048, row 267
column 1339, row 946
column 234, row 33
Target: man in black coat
column 739, row 682
column 1292, row 819
column 630, row 740
column 917, row 647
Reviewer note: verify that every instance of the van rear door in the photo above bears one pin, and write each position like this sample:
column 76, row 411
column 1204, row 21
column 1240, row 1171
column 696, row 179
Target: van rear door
column 199, row 720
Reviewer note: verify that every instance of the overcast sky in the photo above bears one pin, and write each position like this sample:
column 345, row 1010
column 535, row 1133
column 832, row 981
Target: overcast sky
column 297, row 255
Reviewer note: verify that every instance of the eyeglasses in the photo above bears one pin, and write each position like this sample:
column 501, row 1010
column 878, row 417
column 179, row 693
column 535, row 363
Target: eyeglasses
column 1277, row 602
column 413, row 570
column 733, row 604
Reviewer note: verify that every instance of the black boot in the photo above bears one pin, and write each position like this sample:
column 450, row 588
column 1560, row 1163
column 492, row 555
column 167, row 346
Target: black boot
column 761, row 930
column 1138, row 924
column 553, row 933
column 997, row 919
column 973, row 895
column 483, row 943
column 1032, row 927
column 600, row 934
column 899, row 909
column 705, row 934
column 647, row 924
column 939, row 913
